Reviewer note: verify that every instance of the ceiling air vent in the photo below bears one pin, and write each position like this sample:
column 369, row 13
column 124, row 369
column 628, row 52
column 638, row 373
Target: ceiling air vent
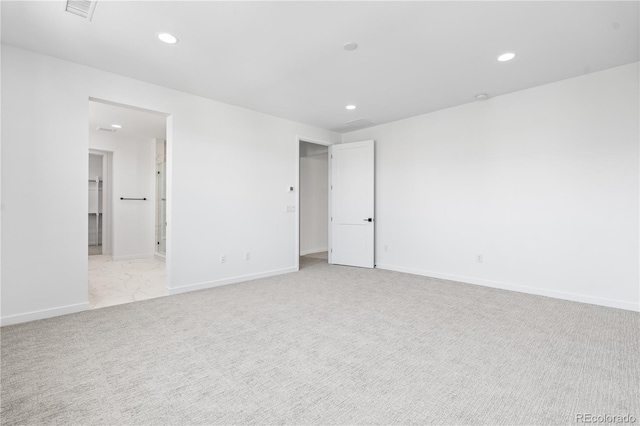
column 82, row 8
column 106, row 129
column 359, row 123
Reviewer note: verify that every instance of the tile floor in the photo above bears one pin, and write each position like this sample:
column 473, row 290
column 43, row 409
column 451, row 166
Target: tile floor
column 94, row 250
column 113, row 282
column 124, row 281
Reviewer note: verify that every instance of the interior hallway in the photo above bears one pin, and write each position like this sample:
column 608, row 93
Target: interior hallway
column 321, row 255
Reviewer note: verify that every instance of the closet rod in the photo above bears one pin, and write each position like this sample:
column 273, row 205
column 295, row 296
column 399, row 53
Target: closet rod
column 139, row 199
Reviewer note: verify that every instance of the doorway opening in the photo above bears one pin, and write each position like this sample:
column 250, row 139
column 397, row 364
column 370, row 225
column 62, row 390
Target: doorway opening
column 313, row 203
column 127, row 225
column 99, row 218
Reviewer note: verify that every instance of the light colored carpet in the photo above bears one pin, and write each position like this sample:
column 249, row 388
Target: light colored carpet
column 320, row 255
column 327, row 345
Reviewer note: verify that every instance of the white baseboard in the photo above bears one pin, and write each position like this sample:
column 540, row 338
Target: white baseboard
column 226, row 281
column 133, row 256
column 311, row 251
column 45, row 313
column 159, row 256
column 574, row 297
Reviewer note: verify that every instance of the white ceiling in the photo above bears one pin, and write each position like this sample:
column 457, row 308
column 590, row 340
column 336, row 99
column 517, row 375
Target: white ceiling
column 136, row 124
column 286, row 58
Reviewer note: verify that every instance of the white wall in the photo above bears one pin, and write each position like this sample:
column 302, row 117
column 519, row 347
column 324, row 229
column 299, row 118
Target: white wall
column 314, row 200
column 543, row 183
column 227, row 177
column 133, row 176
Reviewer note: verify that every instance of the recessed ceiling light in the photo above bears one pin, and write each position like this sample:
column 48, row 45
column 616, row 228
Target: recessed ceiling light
column 116, row 126
column 350, row 46
column 482, row 97
column 351, row 107
column 506, row 57
column 167, row 38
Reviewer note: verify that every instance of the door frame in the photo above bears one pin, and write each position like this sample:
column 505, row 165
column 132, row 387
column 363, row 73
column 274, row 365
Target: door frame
column 297, row 191
column 169, row 176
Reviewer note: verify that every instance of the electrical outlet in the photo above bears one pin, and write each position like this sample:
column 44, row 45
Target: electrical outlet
column 291, row 209
column 479, row 258
column 223, row 258
column 247, row 256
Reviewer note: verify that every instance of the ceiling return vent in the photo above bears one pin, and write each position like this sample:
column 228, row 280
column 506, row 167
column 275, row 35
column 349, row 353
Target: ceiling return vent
column 359, row 123
column 81, row 8
column 106, row 129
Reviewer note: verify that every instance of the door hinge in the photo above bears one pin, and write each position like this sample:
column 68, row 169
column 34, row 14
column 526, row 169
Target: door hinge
column 331, row 187
column 331, row 218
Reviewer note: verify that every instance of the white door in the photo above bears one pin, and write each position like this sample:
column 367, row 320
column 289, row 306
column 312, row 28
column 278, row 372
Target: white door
column 352, row 201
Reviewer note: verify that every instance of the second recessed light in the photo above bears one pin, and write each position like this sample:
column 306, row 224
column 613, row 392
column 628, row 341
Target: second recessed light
column 351, row 107
column 167, row 38
column 506, row 57
column 116, row 126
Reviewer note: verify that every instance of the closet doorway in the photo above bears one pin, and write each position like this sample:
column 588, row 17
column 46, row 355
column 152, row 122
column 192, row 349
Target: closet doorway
column 313, row 203
column 99, row 218
column 127, row 221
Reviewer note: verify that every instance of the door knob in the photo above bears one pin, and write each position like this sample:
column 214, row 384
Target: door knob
column 369, row 219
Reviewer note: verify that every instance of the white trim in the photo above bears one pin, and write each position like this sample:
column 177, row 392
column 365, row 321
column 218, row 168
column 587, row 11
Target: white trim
column 133, row 256
column 160, row 257
column 313, row 140
column 312, row 251
column 226, row 281
column 574, row 297
column 168, row 244
column 329, row 206
column 45, row 313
